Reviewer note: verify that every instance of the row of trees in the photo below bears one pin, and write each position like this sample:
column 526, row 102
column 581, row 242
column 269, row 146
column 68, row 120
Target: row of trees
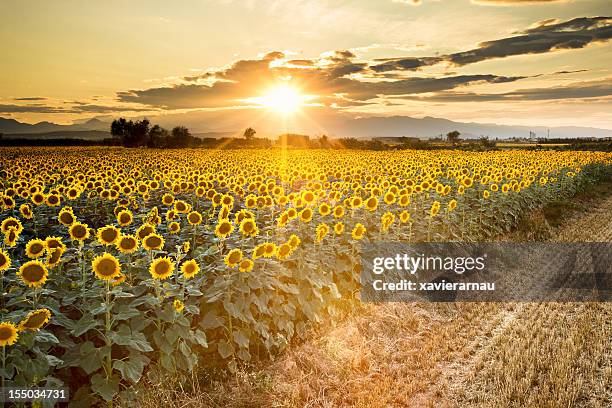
column 140, row 133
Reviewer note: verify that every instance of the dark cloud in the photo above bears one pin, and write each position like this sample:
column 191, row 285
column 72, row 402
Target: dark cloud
column 575, row 33
column 77, row 108
column 548, row 35
column 580, row 90
column 31, row 98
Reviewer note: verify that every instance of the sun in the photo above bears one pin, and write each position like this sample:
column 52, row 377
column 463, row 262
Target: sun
column 283, row 99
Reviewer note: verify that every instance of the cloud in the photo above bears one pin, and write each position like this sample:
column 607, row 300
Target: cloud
column 31, row 98
column 76, row 108
column 579, row 90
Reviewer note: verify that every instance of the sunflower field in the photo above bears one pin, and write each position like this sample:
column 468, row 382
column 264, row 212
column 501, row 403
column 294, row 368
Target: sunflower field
column 119, row 263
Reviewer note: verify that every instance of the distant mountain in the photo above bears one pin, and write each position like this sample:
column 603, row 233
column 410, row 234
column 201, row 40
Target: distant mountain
column 61, row 134
column 11, row 126
column 334, row 124
column 429, row 127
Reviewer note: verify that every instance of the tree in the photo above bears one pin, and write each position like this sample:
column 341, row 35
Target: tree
column 181, row 136
column 453, row 136
column 131, row 134
column 249, row 133
column 324, row 141
column 158, row 137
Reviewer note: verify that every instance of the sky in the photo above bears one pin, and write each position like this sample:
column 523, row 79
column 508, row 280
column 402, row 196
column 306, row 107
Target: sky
column 215, row 64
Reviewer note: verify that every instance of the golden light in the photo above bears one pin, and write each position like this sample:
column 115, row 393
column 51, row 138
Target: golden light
column 283, row 99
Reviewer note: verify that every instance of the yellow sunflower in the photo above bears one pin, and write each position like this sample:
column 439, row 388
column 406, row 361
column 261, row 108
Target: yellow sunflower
column 246, row 265
column 153, row 241
column 35, row 320
column 79, row 231
column 283, row 251
column 358, row 231
column 106, row 267
column 178, row 305
column 35, row 248
column 294, row 241
column 194, row 218
column 161, row 268
column 190, row 268
column 338, row 228
column 233, row 257
column 8, row 334
column 33, row 273
column 108, row 235
column 66, row 216
column 11, row 222
column 5, row 260
column 248, row 227
column 125, row 218
column 224, row 228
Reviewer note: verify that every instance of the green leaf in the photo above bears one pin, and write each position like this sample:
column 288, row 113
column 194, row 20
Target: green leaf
column 211, row 320
column 225, row 349
column 43, row 336
column 84, row 324
column 132, row 368
column 90, row 358
column 107, row 388
column 241, row 338
column 200, row 337
column 125, row 337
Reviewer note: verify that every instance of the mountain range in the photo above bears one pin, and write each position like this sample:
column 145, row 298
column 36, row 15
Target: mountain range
column 345, row 126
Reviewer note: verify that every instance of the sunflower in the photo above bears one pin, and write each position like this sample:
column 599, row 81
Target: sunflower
column 269, row 250
column 117, row 280
column 371, row 204
column 486, row 194
column 153, row 241
column 194, row 218
column 338, row 228
column 404, row 217
column 35, row 320
column 144, row 230
column 224, row 228
column 11, row 222
column 389, row 198
column 168, row 199
column 246, row 265
column 178, row 305
column 259, row 251
column 181, row 207
column 338, row 211
column 38, row 198
column 185, row 247
column 33, row 273
column 66, row 216
column 358, row 231
column 452, row 205
column 190, row 268
column 283, row 251
column 10, row 237
column 5, row 260
column 55, row 242
column 127, row 244
column 174, row 227
column 305, row 215
column 54, row 256
column 35, row 248
column 324, row 209
column 233, row 257
column 321, row 231
column 161, row 268
column 125, row 218
column 79, row 231
column 8, row 334
column 108, row 235
column 248, row 227
column 26, row 211
column 106, row 267
column 294, row 241
column 387, row 220
column 435, row 209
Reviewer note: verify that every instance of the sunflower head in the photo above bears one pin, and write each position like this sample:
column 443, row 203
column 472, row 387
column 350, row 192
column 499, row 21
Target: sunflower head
column 79, row 231
column 224, row 228
column 35, row 320
column 248, row 227
column 233, row 257
column 106, row 267
column 66, row 216
column 190, row 268
column 5, row 260
column 178, row 305
column 11, row 222
column 108, row 235
column 358, row 231
column 246, row 265
column 283, row 251
column 153, row 241
column 35, row 248
column 161, row 268
column 125, row 218
column 33, row 273
column 8, row 334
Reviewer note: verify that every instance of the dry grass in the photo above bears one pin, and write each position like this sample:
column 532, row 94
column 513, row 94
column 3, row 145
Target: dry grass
column 440, row 355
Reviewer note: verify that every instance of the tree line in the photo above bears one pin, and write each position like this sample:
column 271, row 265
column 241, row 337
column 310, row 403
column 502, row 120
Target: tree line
column 140, row 133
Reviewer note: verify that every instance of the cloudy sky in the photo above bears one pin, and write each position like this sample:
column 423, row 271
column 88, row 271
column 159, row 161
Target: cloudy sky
column 539, row 62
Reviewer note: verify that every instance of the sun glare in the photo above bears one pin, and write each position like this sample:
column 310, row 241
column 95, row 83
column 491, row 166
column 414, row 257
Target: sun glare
column 283, row 99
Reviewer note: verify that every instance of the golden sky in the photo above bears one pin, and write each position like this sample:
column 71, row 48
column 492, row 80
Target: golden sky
column 509, row 62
